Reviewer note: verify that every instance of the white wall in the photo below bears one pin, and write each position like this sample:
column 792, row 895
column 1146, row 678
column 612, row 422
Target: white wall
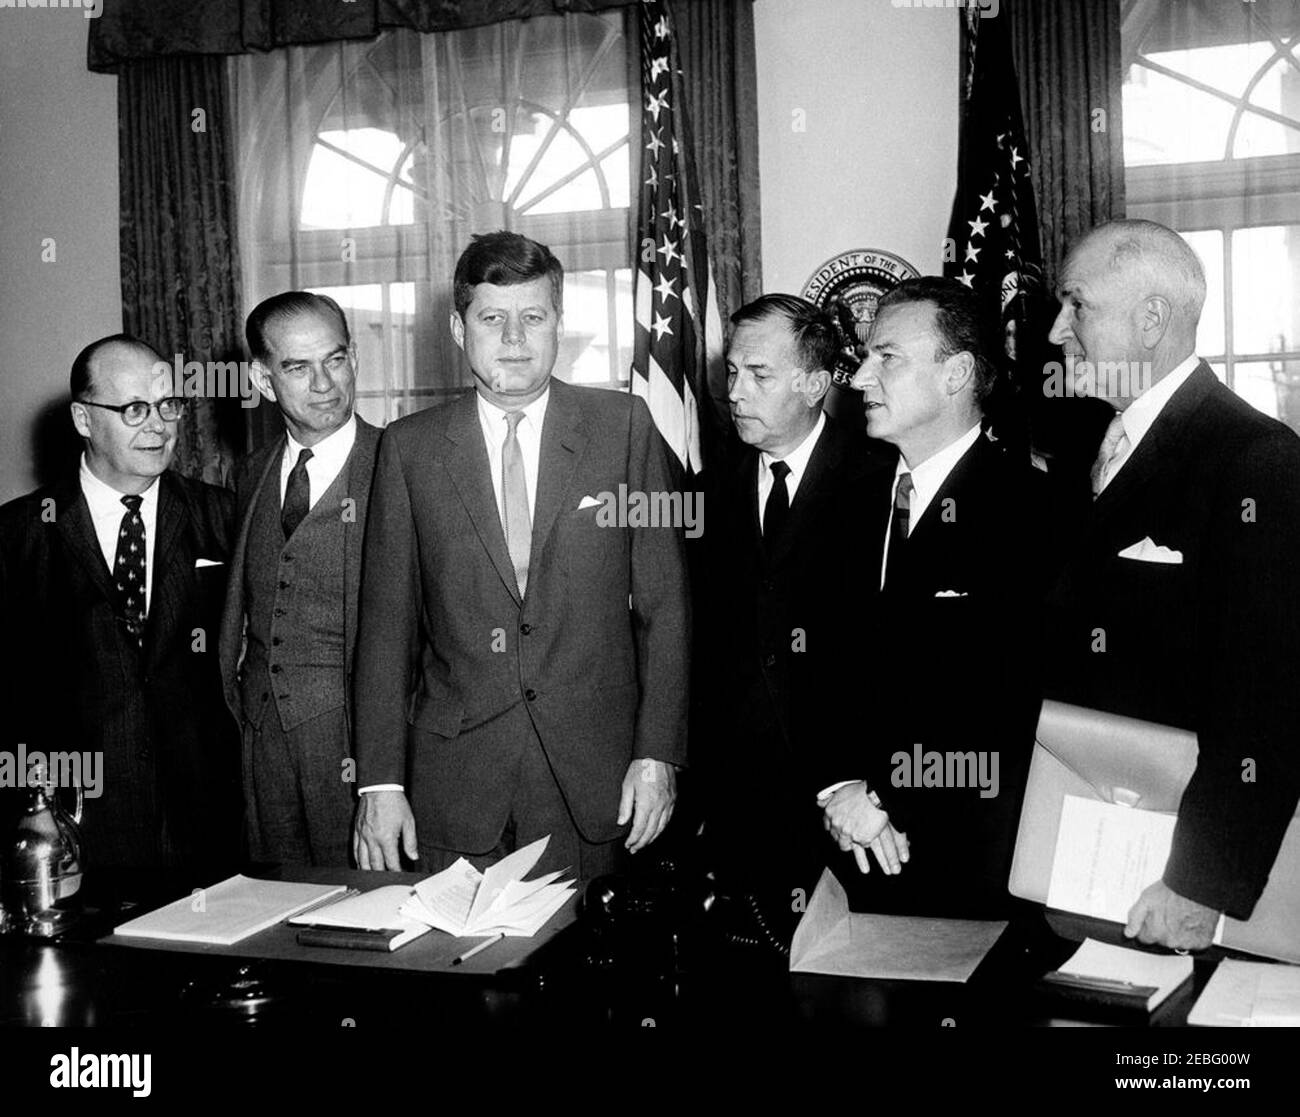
column 875, row 166
column 58, row 178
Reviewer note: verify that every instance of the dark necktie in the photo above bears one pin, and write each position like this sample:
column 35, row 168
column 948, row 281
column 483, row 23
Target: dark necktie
column 776, row 513
column 297, row 495
column 518, row 521
column 129, row 568
column 898, row 527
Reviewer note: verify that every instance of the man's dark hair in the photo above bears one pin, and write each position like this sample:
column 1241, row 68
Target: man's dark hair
column 813, row 329
column 288, row 304
column 960, row 322
column 505, row 259
column 81, row 379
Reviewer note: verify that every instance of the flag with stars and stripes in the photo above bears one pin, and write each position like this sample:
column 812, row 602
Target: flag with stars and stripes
column 678, row 327
column 993, row 235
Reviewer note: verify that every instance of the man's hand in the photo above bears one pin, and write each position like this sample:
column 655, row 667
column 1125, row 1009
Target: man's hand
column 383, row 819
column 1163, row 917
column 649, row 792
column 856, row 820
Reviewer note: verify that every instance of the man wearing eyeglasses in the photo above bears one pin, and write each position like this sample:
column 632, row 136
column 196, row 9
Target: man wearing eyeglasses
column 292, row 606
column 111, row 585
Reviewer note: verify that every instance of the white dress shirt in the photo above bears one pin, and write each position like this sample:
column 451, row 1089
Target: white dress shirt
column 1142, row 413
column 329, row 456
column 529, row 432
column 927, row 479
column 106, row 512
column 796, row 459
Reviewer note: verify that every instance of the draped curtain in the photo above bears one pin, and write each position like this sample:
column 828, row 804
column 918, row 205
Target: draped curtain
column 179, row 260
column 1070, row 70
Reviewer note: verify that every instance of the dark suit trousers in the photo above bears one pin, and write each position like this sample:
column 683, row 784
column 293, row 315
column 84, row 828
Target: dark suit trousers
column 537, row 809
column 299, row 807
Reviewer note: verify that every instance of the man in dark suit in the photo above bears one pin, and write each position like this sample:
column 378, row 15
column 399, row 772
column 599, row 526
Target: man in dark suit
column 1178, row 605
column 295, row 580
column 783, row 554
column 522, row 662
column 111, row 584
column 952, row 582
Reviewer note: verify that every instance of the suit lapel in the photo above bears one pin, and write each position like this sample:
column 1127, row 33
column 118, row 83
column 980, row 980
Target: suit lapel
column 827, row 454
column 73, row 517
column 562, row 445
column 467, row 464
column 361, row 469
column 166, row 572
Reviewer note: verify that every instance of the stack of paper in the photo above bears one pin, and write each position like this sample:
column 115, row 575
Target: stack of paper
column 1249, row 995
column 228, row 912
column 462, row 901
column 375, row 913
column 1119, row 973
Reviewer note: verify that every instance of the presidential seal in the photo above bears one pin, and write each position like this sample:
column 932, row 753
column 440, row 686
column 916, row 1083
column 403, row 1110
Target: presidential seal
column 849, row 286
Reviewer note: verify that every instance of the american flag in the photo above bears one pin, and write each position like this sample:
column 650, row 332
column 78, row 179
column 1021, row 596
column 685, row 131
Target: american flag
column 678, row 328
column 993, row 236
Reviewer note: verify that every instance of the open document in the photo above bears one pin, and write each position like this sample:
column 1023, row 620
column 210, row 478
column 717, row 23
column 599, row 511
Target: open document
column 465, row 902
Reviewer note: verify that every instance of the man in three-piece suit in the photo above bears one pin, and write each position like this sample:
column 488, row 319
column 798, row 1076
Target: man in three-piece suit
column 952, row 584
column 522, row 663
column 776, row 639
column 111, row 584
column 1178, row 604
column 295, row 580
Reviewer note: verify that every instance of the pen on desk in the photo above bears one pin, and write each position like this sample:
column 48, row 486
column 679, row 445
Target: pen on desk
column 476, row 949
column 326, row 901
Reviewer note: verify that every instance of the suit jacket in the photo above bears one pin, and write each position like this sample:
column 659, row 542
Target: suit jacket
column 778, row 649
column 252, row 475
column 1211, row 643
column 596, row 654
column 951, row 668
column 74, row 681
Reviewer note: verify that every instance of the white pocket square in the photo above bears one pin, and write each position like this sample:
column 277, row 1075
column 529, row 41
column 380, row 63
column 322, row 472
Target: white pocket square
column 207, row 562
column 588, row 502
column 952, row 593
column 1148, row 550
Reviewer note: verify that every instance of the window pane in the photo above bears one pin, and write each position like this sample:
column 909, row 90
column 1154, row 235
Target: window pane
column 1208, row 245
column 1167, row 121
column 1265, row 288
column 348, row 193
column 1279, row 91
column 588, row 354
column 1272, row 386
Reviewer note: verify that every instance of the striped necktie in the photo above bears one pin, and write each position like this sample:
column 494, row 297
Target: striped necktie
column 898, row 527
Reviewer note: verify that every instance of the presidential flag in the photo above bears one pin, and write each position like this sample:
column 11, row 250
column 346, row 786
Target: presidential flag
column 678, row 328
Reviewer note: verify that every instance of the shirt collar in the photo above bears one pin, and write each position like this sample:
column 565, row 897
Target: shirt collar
column 104, row 499
column 797, row 459
column 330, row 451
column 1139, row 416
column 490, row 414
column 929, row 475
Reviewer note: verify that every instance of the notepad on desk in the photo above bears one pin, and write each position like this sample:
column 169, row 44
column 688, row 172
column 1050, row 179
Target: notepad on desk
column 1249, row 995
column 369, row 921
column 229, row 912
column 1119, row 976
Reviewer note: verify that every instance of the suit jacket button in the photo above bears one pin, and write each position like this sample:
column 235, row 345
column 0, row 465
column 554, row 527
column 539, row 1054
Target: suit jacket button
column 769, row 660
column 280, row 610
column 526, row 629
column 284, row 585
column 530, row 694
column 265, row 696
column 288, row 558
column 276, row 641
column 275, row 669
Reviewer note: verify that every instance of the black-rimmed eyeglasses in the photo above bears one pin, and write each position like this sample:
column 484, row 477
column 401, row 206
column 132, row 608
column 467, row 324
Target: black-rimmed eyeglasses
column 137, row 411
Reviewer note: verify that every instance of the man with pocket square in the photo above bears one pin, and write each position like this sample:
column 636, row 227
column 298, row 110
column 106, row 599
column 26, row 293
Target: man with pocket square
column 1179, row 604
column 111, row 584
column 522, row 663
column 952, row 585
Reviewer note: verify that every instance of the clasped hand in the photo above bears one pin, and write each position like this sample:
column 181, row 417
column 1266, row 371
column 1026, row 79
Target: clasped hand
column 855, row 819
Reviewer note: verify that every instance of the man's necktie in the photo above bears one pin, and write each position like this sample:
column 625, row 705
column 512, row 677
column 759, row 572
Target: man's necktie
column 297, row 495
column 898, row 526
column 517, row 521
column 776, row 512
column 129, row 568
column 1114, row 449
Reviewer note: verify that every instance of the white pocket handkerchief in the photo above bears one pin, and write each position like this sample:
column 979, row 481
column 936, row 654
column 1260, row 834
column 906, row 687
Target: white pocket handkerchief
column 952, row 593
column 588, row 502
column 1150, row 551
column 198, row 563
